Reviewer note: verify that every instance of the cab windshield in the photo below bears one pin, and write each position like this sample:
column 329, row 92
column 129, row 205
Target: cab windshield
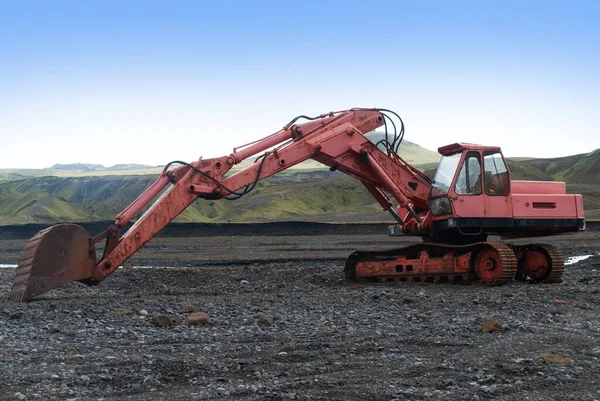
column 444, row 174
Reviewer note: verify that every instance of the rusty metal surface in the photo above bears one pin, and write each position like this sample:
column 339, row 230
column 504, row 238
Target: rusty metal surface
column 501, row 255
column 436, row 262
column 540, row 263
column 57, row 255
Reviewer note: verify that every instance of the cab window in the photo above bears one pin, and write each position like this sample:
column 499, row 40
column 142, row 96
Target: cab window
column 468, row 181
column 496, row 180
column 444, row 174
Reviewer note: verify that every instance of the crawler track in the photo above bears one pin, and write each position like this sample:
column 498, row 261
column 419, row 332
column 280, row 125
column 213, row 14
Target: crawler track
column 485, row 263
column 558, row 264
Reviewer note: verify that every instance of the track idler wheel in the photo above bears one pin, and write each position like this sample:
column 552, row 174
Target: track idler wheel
column 539, row 263
column 54, row 256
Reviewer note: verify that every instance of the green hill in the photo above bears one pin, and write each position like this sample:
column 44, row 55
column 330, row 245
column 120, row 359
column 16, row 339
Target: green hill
column 312, row 193
column 586, row 170
column 521, row 170
column 325, row 195
column 576, row 169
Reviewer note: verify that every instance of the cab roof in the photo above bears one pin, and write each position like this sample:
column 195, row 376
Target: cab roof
column 459, row 147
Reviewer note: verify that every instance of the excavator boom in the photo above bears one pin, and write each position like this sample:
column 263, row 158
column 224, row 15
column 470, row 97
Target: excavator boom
column 65, row 253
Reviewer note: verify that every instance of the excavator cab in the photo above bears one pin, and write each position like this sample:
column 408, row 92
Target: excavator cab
column 471, row 186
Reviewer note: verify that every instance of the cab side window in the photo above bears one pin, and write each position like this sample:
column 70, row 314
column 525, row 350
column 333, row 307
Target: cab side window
column 468, row 181
column 496, row 178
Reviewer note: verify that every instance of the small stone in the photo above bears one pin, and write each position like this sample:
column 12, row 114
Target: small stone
column 559, row 302
column 162, row 320
column 189, row 308
column 19, row 396
column 122, row 312
column 448, row 383
column 198, row 318
column 244, row 282
column 265, row 319
column 15, row 315
column 83, row 380
column 150, row 381
column 489, row 326
column 144, row 312
column 52, row 330
column 408, row 300
column 554, row 359
column 475, row 398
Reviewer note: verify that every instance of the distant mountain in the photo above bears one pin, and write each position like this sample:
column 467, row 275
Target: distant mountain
column 78, row 167
column 79, row 170
column 99, row 167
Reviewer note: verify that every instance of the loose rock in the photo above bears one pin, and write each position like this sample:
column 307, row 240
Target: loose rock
column 489, row 326
column 198, row 318
column 265, row 319
column 190, row 308
column 162, row 320
column 554, row 359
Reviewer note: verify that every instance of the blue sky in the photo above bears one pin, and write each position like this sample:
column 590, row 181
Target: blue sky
column 121, row 82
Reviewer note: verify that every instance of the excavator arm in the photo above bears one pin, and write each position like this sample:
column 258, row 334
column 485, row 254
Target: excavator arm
column 65, row 253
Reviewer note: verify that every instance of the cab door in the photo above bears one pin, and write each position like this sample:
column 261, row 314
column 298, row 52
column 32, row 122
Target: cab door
column 496, row 186
column 467, row 198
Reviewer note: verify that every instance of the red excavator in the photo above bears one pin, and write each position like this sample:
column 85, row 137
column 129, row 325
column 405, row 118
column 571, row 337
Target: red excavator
column 471, row 196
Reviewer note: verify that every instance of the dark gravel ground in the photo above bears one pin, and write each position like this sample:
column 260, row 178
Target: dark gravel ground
column 285, row 326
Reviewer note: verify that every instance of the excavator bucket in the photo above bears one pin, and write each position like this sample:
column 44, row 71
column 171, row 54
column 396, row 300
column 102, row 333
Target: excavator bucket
column 54, row 256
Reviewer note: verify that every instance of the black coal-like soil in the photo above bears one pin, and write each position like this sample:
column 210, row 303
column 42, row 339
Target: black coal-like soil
column 285, row 326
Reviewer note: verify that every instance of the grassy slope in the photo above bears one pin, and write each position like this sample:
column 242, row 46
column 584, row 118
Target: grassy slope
column 311, row 193
column 57, row 199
